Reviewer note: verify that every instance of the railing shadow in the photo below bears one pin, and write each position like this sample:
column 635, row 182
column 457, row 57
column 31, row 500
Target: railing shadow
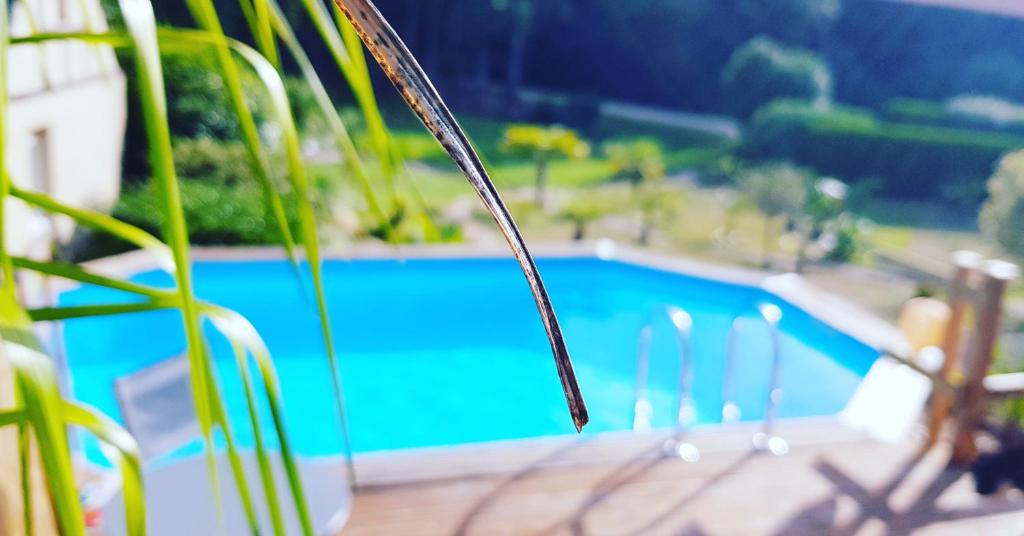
column 874, row 505
column 495, row 494
column 631, row 472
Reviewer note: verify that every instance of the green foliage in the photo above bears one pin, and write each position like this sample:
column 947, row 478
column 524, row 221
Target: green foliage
column 223, row 202
column 303, row 104
column 911, row 160
column 543, row 144
column 826, row 199
column 218, row 212
column 206, row 158
column 843, row 238
column 197, row 101
column 635, row 161
column 1002, row 216
column 536, row 141
column 762, row 71
column 966, row 111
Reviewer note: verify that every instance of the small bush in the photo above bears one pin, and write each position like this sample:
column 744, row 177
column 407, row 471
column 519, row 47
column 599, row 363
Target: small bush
column 217, row 212
column 1002, row 217
column 223, row 202
column 206, row 158
column 843, row 239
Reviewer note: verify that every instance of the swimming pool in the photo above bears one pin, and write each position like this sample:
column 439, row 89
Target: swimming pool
column 451, row 351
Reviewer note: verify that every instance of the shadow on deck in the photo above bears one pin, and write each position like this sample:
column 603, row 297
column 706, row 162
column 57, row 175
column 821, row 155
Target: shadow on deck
column 624, row 485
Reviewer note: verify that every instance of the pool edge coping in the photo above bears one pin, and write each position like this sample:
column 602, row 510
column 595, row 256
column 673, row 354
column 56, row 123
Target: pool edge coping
column 832, row 310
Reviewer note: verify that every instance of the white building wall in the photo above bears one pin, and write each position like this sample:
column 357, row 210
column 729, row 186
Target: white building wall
column 65, row 120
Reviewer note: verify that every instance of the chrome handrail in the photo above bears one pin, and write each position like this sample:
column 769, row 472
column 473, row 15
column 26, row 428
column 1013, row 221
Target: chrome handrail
column 686, row 412
column 764, row 440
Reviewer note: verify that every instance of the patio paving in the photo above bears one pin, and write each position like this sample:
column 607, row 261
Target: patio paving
column 833, row 481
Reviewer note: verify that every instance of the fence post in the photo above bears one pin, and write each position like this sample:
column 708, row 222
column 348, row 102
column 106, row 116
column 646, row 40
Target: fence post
column 965, row 263
column 997, row 274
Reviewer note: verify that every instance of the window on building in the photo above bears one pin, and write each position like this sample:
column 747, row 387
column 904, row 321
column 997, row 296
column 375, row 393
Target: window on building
column 40, row 161
column 62, row 10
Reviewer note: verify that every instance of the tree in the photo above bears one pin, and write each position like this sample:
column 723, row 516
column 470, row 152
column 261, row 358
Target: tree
column 543, row 144
column 1002, row 216
column 583, row 210
column 637, row 161
column 778, row 189
column 657, row 203
column 762, row 70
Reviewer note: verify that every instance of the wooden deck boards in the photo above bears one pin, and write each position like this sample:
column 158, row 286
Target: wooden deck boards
column 851, row 486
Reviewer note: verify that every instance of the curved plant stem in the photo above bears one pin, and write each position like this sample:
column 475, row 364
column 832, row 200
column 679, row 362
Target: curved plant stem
column 419, row 93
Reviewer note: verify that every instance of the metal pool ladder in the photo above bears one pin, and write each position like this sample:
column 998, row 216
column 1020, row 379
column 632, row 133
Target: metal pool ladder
column 765, row 440
column 686, row 412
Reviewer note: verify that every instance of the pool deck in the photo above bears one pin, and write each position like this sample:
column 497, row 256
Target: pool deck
column 833, row 481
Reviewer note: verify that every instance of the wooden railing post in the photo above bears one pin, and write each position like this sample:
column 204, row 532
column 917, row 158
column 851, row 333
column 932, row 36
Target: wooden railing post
column 965, row 264
column 997, row 274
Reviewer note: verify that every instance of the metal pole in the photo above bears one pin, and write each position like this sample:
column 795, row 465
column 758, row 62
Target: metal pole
column 642, row 406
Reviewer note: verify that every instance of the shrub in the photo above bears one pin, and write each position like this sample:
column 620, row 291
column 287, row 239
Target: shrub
column 223, row 202
column 843, row 238
column 197, row 100
column 1002, row 216
column 966, row 111
column 217, row 212
column 206, row 158
column 762, row 70
column 912, row 160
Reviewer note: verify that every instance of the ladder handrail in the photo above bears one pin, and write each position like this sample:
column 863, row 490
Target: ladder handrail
column 642, row 409
column 771, row 314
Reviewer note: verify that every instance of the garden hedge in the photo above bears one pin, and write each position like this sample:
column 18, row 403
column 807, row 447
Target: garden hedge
column 910, row 160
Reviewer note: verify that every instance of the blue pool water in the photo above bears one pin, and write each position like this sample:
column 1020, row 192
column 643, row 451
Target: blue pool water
column 443, row 352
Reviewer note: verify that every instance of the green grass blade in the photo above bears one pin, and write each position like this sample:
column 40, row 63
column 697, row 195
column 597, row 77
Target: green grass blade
column 361, row 89
column 47, row 314
column 25, row 467
column 266, row 472
column 266, row 41
column 236, row 328
column 307, row 217
column 100, row 222
column 220, row 417
column 74, row 272
column 126, row 452
column 6, row 269
column 403, row 70
column 12, row 416
column 206, row 15
column 341, row 135
column 141, row 26
column 35, row 388
column 382, row 139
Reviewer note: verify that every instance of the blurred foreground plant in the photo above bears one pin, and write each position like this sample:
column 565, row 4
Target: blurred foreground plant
column 39, row 412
